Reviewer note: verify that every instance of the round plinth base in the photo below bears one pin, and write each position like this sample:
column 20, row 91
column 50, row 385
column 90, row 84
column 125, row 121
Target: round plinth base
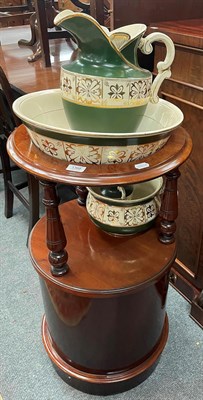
column 100, row 383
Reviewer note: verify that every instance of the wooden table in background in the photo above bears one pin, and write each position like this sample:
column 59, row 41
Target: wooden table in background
column 30, row 77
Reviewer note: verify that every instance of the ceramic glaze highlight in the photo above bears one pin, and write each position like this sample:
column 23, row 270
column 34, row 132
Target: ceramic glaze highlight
column 104, row 89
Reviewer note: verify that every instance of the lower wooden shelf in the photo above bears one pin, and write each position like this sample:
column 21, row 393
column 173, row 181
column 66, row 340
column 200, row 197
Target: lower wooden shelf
column 105, row 323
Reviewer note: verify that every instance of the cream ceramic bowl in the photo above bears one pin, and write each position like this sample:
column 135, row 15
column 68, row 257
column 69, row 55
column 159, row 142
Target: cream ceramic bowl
column 129, row 216
column 44, row 116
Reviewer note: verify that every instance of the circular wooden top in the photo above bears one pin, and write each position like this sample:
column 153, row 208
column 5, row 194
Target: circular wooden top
column 27, row 156
column 100, row 264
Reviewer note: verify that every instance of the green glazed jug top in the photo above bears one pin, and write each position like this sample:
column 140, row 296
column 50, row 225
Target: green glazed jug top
column 103, row 88
column 98, row 45
column 114, row 54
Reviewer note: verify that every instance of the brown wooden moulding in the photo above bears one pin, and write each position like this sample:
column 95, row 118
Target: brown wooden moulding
column 105, row 383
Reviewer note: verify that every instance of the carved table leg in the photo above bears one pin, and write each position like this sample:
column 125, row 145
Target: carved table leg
column 37, row 52
column 56, row 240
column 82, row 195
column 32, row 41
column 169, row 208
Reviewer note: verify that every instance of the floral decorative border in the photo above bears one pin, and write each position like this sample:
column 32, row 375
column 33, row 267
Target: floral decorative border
column 94, row 154
column 123, row 216
column 104, row 92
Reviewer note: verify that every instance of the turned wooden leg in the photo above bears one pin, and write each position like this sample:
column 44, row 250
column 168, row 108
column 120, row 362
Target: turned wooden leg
column 169, row 208
column 82, row 195
column 56, row 240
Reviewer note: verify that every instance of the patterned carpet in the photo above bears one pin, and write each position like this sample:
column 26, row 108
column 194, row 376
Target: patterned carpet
column 26, row 372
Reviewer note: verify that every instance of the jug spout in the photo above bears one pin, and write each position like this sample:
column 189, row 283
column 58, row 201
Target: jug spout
column 98, row 43
column 127, row 40
column 87, row 32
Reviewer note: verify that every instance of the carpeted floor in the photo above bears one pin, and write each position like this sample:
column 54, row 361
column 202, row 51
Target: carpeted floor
column 26, row 372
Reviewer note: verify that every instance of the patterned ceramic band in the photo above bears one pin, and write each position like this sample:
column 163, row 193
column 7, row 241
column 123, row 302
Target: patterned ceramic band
column 90, row 154
column 105, row 92
column 123, row 216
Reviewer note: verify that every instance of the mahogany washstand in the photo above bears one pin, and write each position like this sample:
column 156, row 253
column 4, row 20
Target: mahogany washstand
column 105, row 324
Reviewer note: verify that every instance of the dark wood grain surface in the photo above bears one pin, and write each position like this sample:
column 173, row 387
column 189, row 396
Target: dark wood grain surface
column 187, row 32
column 142, row 11
column 185, row 90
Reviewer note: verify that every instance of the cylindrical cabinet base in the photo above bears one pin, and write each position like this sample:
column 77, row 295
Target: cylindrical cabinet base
column 105, row 323
column 106, row 383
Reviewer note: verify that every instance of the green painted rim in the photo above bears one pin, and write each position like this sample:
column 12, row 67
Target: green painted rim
column 98, row 141
column 122, row 230
column 127, row 203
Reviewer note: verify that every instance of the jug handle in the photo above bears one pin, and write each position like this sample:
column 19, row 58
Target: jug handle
column 163, row 67
column 122, row 191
